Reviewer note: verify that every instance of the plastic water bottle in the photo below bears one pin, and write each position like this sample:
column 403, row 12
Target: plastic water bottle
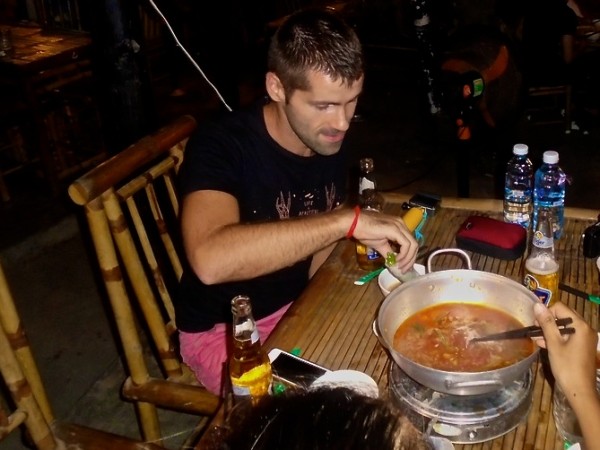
column 549, row 192
column 518, row 187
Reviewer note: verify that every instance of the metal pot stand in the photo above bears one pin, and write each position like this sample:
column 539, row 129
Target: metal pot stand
column 462, row 419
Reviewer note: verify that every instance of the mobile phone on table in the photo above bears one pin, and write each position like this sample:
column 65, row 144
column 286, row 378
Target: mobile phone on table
column 294, row 371
column 428, row 201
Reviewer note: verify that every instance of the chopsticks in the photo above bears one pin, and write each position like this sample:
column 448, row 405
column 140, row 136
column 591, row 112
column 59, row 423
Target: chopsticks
column 531, row 331
column 579, row 293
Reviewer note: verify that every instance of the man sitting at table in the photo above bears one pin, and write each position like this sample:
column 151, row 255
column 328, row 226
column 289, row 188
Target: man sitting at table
column 263, row 192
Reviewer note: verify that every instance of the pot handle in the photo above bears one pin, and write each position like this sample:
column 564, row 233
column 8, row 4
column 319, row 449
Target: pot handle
column 462, row 253
column 377, row 335
column 450, row 384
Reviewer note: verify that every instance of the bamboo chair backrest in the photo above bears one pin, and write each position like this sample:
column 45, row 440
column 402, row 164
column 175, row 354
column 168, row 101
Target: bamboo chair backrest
column 132, row 208
column 31, row 406
column 21, row 377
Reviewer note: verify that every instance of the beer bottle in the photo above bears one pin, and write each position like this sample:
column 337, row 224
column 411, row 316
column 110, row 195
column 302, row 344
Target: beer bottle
column 541, row 266
column 371, row 200
column 249, row 366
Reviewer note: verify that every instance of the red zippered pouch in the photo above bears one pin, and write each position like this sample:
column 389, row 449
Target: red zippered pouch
column 492, row 237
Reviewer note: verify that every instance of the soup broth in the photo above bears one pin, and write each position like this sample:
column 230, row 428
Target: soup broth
column 438, row 337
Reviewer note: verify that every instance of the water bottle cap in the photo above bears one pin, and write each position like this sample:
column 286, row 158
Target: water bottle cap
column 520, row 149
column 550, row 157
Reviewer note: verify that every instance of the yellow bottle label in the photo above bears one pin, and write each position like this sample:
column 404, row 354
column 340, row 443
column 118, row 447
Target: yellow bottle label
column 256, row 382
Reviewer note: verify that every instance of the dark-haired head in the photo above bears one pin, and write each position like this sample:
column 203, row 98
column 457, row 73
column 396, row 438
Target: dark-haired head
column 315, row 40
column 326, row 418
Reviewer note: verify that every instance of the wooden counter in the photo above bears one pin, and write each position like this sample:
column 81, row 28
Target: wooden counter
column 332, row 321
column 46, row 84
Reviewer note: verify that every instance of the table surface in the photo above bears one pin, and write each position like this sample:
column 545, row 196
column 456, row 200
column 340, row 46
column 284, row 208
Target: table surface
column 331, row 323
column 35, row 50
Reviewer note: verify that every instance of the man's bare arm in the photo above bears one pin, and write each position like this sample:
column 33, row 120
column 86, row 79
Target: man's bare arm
column 220, row 249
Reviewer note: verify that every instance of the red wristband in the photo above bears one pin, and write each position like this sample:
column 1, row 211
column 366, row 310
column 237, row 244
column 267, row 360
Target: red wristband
column 350, row 232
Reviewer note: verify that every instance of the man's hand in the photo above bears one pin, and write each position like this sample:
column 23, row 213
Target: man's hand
column 379, row 230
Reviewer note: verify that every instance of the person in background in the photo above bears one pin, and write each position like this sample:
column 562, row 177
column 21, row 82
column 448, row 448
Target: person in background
column 324, row 418
column 264, row 190
column 550, row 54
column 548, row 36
column 585, row 66
column 573, row 363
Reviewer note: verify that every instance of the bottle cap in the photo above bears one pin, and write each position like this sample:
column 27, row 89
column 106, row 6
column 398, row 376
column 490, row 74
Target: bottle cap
column 550, row 157
column 520, row 149
column 367, row 164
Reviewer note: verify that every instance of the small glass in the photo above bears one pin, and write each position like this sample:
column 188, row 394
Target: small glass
column 564, row 416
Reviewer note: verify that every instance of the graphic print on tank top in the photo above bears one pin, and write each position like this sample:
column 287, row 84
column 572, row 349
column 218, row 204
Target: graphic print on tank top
column 312, row 202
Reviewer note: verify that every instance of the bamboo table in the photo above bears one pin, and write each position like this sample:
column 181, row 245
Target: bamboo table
column 332, row 320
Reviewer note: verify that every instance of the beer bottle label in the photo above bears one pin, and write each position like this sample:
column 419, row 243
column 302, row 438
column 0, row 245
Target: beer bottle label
column 243, row 329
column 240, row 391
column 372, row 253
column 365, row 184
column 541, row 241
column 531, row 283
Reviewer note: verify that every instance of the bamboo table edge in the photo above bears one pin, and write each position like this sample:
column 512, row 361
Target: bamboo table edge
column 489, row 204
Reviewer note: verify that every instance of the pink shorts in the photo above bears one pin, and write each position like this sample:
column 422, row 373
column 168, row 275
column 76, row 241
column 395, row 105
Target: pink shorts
column 206, row 352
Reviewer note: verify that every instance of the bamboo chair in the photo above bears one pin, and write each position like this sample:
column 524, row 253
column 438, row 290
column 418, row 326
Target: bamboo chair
column 131, row 208
column 32, row 408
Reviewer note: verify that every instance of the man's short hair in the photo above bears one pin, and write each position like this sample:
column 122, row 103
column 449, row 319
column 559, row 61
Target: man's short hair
column 318, row 40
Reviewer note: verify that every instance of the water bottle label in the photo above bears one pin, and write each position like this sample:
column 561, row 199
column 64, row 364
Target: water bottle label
column 516, row 194
column 531, row 283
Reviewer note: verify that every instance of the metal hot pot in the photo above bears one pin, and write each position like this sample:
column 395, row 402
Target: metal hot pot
column 456, row 286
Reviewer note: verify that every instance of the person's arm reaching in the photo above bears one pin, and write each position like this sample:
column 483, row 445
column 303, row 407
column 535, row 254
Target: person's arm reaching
column 573, row 362
column 221, row 249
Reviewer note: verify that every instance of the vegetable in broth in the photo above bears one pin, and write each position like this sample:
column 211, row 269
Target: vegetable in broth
column 438, row 337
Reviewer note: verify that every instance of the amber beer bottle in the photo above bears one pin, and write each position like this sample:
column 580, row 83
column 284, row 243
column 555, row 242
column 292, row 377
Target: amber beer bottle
column 369, row 199
column 249, row 365
column 541, row 266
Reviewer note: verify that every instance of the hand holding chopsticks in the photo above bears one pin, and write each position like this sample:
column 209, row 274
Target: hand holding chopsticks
column 531, row 331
